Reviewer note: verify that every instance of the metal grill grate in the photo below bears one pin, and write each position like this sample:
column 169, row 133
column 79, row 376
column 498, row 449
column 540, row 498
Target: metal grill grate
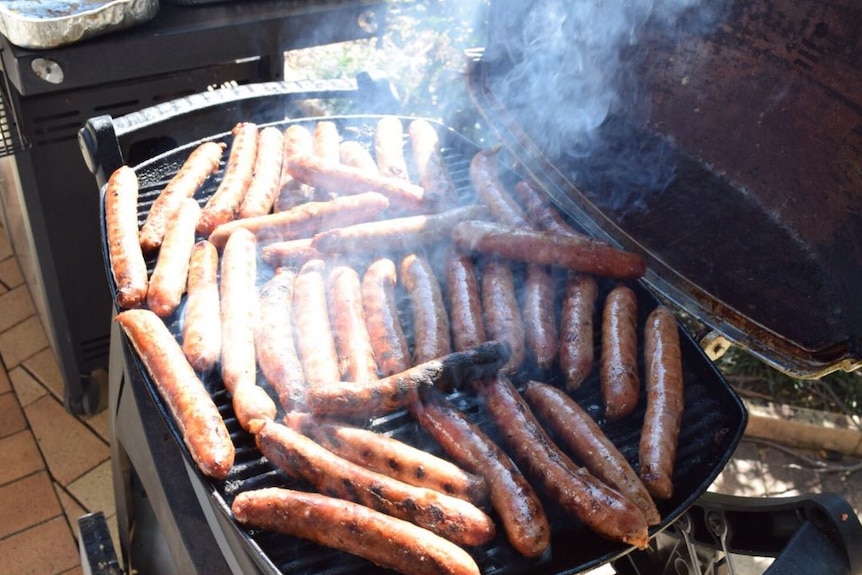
column 11, row 141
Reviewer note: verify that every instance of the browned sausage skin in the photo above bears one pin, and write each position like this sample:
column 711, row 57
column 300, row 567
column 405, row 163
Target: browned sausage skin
column 600, row 508
column 428, row 157
column 465, row 302
column 500, row 310
column 315, row 343
column 512, row 496
column 170, row 275
column 297, row 141
column 347, row 318
column 202, row 312
column 665, row 402
column 430, row 319
column 391, row 351
column 121, row 220
column 266, row 181
column 619, row 362
column 386, row 541
column 577, row 347
column 581, row 435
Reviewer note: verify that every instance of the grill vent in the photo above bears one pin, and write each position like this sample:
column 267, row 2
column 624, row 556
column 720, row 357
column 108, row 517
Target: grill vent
column 11, row 141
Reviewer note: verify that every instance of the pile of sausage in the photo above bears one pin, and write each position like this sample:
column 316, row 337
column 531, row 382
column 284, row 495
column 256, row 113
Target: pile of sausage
column 287, row 281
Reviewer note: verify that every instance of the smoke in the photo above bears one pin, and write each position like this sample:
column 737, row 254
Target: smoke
column 574, row 72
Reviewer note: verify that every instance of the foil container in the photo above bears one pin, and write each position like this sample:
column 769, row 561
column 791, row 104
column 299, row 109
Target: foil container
column 42, row 24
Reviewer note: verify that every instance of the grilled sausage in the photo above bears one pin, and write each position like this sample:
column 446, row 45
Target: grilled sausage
column 397, row 391
column 455, row 519
column 201, row 163
column 297, row 141
column 428, row 158
column 289, row 253
column 573, row 488
column 121, row 220
column 265, row 184
column 581, row 435
column 665, row 402
column 385, row 541
column 398, row 234
column 391, row 350
column 349, row 330
column 490, row 190
column 311, row 317
column 619, row 368
column 465, row 302
column 349, row 180
column 540, row 213
column 223, row 205
column 237, row 289
column 389, row 148
column 168, row 281
column 352, row 153
column 202, row 312
column 391, row 457
column 201, row 425
column 430, row 320
column 274, row 344
column 325, row 145
column 305, row 219
column 512, row 496
column 537, row 313
column 577, row 349
column 500, row 310
column 548, row 249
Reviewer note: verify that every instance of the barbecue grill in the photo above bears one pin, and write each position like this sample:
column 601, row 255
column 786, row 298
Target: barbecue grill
column 164, row 502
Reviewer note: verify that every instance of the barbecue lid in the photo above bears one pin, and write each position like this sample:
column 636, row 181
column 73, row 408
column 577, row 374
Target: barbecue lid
column 724, row 143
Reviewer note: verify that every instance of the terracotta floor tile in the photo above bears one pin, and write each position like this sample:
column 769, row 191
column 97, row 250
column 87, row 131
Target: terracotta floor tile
column 11, row 418
column 69, row 447
column 71, row 508
column 43, row 366
column 78, row 570
column 10, row 273
column 94, row 490
column 15, row 306
column 26, row 387
column 45, row 549
column 21, row 456
column 26, row 503
column 100, row 423
column 5, row 382
column 22, row 341
column 5, row 245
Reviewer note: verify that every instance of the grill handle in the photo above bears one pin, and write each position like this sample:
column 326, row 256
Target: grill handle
column 108, row 143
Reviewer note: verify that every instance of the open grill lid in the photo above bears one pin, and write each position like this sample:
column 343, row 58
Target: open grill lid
column 729, row 155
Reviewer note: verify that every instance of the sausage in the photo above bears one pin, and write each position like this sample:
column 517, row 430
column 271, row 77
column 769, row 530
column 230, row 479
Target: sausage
column 400, row 390
column 392, row 457
column 540, row 213
column 455, row 519
column 573, row 488
column 428, row 158
column 289, row 253
column 169, row 277
column 297, row 141
column 274, row 344
column 665, row 402
column 490, row 190
column 305, row 219
column 581, row 435
column 316, row 345
column 128, row 267
column 202, row 312
column 513, row 498
column 349, row 180
column 352, row 153
column 345, row 526
column 347, row 318
column 391, row 351
column 389, row 148
column 201, row 163
column 577, row 348
column 548, row 249
column 395, row 234
column 500, row 310
column 201, row 425
column 430, row 321
column 465, row 302
column 223, row 205
column 619, row 368
column 266, row 182
column 251, row 403
column 325, row 145
column 537, row 313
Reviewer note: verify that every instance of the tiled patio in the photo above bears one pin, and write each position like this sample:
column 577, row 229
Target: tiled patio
column 56, row 466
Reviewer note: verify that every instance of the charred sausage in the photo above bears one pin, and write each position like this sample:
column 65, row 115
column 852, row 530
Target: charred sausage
column 665, row 402
column 500, row 310
column 465, row 302
column 201, row 425
column 121, row 220
column 577, row 348
column 430, row 320
column 619, row 362
column 391, row 351
column 541, row 335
